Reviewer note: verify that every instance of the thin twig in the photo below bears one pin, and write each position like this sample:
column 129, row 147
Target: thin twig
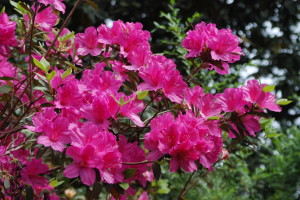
column 185, row 186
column 137, row 163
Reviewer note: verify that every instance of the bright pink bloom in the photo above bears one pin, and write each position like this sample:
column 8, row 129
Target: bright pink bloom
column 7, row 34
column 131, row 152
column 68, row 96
column 100, row 110
column 215, row 47
column 6, row 68
column 192, row 95
column 232, row 100
column 132, row 108
column 46, row 19
column 143, row 196
column 85, row 160
column 160, row 73
column 224, row 46
column 31, row 173
column 88, row 42
column 184, row 156
column 208, row 106
column 129, row 36
column 186, row 139
column 254, row 93
column 56, row 134
column 57, row 4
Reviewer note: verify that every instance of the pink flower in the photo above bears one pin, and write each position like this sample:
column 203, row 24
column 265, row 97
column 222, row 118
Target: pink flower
column 7, row 34
column 131, row 152
column 254, row 94
column 215, row 47
column 88, row 42
column 132, row 108
column 100, row 110
column 224, row 46
column 184, row 156
column 186, row 139
column 58, row 5
column 232, row 100
column 160, row 73
column 129, row 36
column 46, row 19
column 31, row 173
column 56, row 134
column 85, row 160
column 208, row 106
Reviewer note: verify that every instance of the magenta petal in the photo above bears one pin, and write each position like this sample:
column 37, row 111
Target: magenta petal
column 107, row 176
column 58, row 146
column 88, row 176
column 72, row 171
column 136, row 119
column 154, row 155
column 44, row 140
column 174, row 165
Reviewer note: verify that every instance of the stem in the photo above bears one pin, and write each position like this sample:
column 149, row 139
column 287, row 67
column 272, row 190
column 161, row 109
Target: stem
column 182, row 192
column 30, row 53
column 137, row 163
column 194, row 72
column 63, row 26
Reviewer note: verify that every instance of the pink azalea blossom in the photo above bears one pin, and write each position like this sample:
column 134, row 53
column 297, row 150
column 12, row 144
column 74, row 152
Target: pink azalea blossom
column 7, row 34
column 232, row 100
column 131, row 152
column 215, row 47
column 254, row 93
column 57, row 4
column 88, row 42
column 85, row 160
column 31, row 173
column 160, row 73
column 45, row 19
column 56, row 134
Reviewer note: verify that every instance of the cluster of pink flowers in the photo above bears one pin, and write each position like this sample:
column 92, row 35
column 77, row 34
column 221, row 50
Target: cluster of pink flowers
column 95, row 117
column 215, row 47
column 7, row 35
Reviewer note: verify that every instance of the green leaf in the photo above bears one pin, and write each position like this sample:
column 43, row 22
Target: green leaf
column 3, row 9
column 283, row 102
column 269, row 88
column 125, row 186
column 274, row 135
column 128, row 173
column 45, row 63
column 6, row 183
column 6, row 78
column 163, row 186
column 5, row 88
column 40, row 88
column 55, row 183
column 141, row 94
column 39, row 65
column 71, row 65
column 51, row 75
column 214, row 118
column 66, row 37
column 67, row 73
column 46, row 105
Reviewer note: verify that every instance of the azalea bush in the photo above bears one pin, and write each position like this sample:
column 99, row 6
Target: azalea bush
column 98, row 113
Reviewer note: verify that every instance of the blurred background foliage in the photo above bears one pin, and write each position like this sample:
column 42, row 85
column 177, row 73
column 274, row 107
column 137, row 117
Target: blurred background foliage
column 270, row 31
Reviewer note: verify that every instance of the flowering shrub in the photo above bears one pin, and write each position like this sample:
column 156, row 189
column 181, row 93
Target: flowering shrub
column 99, row 108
